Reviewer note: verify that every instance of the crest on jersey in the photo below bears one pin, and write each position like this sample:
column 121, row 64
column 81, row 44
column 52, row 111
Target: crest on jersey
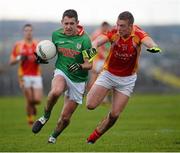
column 78, row 46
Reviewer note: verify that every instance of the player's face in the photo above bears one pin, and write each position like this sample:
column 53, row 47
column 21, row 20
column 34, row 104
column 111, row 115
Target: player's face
column 106, row 28
column 70, row 26
column 28, row 34
column 124, row 28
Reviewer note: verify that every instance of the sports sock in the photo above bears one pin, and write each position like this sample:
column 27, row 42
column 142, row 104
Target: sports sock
column 30, row 119
column 94, row 136
column 47, row 114
column 55, row 134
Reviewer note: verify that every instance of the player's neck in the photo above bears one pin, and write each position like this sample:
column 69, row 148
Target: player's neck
column 28, row 41
column 75, row 32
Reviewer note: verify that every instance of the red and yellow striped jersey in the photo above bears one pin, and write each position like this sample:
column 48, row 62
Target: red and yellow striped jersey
column 28, row 66
column 124, row 53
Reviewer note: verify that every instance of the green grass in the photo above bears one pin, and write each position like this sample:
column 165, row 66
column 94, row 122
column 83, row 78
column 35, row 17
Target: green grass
column 149, row 123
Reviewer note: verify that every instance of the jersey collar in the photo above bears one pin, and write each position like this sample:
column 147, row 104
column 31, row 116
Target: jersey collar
column 131, row 35
column 80, row 30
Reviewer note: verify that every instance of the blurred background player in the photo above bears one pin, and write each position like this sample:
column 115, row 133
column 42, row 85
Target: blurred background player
column 71, row 72
column 120, row 69
column 103, row 50
column 30, row 80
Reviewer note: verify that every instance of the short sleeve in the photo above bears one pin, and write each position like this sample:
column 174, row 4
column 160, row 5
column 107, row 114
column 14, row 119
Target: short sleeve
column 15, row 51
column 53, row 37
column 112, row 35
column 87, row 42
column 140, row 33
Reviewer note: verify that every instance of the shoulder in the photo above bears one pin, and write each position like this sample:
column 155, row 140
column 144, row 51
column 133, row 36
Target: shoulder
column 139, row 32
column 112, row 34
column 57, row 31
column 16, row 47
column 86, row 41
column 85, row 35
column 19, row 43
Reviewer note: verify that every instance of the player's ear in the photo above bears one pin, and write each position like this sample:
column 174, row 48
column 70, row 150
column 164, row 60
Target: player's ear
column 131, row 25
column 77, row 22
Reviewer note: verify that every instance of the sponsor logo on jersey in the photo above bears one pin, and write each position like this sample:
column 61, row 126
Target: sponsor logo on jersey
column 68, row 52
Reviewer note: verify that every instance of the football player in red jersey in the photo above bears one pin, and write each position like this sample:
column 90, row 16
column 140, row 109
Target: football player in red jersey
column 120, row 68
column 29, row 74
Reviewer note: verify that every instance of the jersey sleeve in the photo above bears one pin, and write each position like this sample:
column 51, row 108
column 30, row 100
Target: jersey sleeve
column 86, row 43
column 112, row 35
column 15, row 51
column 53, row 37
column 140, row 33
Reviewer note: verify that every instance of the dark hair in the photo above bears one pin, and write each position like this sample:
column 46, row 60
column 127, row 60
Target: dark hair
column 27, row 25
column 71, row 14
column 105, row 23
column 126, row 15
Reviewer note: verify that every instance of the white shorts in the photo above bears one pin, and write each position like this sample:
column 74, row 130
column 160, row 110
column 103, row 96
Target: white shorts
column 74, row 90
column 124, row 85
column 32, row 81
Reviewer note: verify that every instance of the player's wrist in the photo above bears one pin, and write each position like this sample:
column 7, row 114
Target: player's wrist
column 154, row 49
column 81, row 66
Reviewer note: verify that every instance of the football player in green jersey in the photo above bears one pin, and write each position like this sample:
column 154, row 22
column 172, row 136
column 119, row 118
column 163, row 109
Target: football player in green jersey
column 73, row 62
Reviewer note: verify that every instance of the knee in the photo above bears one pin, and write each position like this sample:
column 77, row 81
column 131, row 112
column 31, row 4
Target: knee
column 90, row 103
column 37, row 101
column 55, row 92
column 90, row 106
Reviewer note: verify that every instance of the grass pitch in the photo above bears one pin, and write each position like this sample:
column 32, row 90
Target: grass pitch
column 149, row 123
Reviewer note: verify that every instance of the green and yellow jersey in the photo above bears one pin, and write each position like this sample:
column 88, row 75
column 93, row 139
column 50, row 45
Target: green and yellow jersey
column 69, row 49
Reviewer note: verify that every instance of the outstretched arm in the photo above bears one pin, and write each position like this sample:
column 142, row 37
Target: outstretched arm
column 151, row 45
column 148, row 42
column 100, row 40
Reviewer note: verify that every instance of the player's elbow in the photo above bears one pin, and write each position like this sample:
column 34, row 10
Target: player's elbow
column 90, row 66
column 11, row 62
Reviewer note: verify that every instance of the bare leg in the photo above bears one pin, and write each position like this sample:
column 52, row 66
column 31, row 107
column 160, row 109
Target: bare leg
column 30, row 108
column 64, row 120
column 37, row 95
column 57, row 87
column 119, row 102
column 36, row 98
column 96, row 96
